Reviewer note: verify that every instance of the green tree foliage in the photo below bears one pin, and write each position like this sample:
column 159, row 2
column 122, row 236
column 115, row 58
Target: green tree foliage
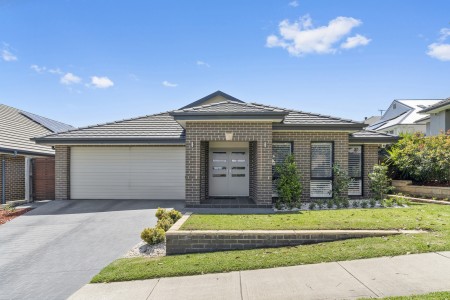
column 341, row 181
column 421, row 159
column 289, row 184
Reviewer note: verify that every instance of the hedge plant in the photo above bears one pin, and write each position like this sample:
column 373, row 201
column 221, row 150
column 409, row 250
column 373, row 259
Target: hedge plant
column 289, row 186
column 421, row 159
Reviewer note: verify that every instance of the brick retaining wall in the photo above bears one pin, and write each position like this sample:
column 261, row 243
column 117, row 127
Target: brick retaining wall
column 405, row 186
column 196, row 241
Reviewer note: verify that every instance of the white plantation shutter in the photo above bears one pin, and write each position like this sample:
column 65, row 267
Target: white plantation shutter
column 321, row 170
column 355, row 170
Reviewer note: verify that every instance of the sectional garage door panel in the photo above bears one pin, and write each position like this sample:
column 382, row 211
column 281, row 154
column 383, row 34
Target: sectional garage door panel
column 127, row 173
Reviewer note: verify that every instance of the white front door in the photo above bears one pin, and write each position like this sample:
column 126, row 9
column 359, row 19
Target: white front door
column 228, row 173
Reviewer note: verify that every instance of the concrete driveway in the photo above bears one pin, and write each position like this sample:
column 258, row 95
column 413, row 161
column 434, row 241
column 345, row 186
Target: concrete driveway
column 55, row 249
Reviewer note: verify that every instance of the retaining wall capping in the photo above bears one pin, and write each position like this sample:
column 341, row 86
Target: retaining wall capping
column 196, row 241
column 420, row 200
column 405, row 186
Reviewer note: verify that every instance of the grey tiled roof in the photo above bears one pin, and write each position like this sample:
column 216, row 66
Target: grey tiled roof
column 51, row 125
column 370, row 135
column 437, row 105
column 209, row 97
column 16, row 130
column 229, row 107
column 151, row 127
column 163, row 127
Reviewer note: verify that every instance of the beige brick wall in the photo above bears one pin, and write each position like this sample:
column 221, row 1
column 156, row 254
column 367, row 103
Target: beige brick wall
column 260, row 133
column 302, row 151
column 62, row 172
column 14, row 177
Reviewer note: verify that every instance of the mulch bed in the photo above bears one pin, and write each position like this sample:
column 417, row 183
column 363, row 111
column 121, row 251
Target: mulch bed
column 6, row 216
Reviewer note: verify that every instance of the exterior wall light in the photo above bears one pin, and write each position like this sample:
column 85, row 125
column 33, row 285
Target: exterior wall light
column 228, row 136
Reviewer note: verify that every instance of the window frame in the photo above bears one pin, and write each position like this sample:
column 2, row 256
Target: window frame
column 362, row 170
column 311, row 178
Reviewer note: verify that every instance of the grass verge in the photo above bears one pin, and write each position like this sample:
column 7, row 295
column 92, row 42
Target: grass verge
column 435, row 218
column 430, row 296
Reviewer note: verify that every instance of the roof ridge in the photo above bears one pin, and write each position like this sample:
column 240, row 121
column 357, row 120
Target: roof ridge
column 310, row 113
column 209, row 105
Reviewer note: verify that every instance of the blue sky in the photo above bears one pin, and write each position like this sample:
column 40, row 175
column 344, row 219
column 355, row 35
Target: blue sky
column 87, row 62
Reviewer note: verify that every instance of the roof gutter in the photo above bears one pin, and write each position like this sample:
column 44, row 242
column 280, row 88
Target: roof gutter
column 373, row 140
column 322, row 127
column 22, row 152
column 108, row 141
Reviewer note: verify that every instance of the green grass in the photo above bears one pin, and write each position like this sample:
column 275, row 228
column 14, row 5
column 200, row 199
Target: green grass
column 435, row 218
column 430, row 296
column 390, row 218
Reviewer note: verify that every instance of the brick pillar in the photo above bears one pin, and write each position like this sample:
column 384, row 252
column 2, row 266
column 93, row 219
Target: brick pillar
column 341, row 155
column 62, row 172
column 204, row 170
column 193, row 181
column 264, row 170
column 370, row 157
column 252, row 169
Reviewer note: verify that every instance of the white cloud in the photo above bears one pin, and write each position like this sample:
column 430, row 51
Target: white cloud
column 440, row 50
column 101, row 82
column 202, row 63
column 8, row 56
column 69, row 79
column 55, row 71
column 355, row 41
column 301, row 37
column 38, row 69
column 293, row 3
column 169, row 84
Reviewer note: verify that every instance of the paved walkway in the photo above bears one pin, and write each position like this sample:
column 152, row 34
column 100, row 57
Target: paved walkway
column 55, row 249
column 377, row 277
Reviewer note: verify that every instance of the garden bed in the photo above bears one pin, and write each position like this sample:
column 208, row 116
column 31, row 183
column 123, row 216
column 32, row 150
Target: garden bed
column 6, row 216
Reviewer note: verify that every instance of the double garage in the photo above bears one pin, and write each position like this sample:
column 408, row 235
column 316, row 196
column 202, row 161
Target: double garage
column 127, row 172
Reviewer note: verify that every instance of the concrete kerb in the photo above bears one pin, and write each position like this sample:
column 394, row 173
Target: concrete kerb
column 196, row 241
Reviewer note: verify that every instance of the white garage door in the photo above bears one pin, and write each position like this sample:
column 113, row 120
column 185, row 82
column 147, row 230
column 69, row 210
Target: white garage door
column 127, row 172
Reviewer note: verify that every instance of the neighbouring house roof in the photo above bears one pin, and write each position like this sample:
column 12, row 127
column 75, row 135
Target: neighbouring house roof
column 18, row 127
column 219, row 95
column 370, row 136
column 407, row 116
column 165, row 128
column 424, row 120
column 437, row 107
column 371, row 120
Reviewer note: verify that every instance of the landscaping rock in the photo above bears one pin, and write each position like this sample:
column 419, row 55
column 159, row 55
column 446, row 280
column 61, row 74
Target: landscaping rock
column 145, row 250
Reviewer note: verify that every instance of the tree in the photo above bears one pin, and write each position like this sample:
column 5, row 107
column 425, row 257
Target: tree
column 380, row 183
column 289, row 184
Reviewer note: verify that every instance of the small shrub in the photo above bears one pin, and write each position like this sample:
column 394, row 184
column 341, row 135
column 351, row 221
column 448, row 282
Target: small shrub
column 160, row 213
column 175, row 215
column 372, row 202
column 164, row 223
column 278, row 205
column 9, row 208
column 387, row 202
column 346, row 203
column 341, row 182
column 330, row 203
column 289, row 186
column 355, row 204
column 153, row 236
column 364, row 204
column 312, row 206
column 380, row 183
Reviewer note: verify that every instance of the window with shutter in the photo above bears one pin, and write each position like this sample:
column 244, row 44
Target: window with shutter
column 321, row 170
column 355, row 170
column 279, row 153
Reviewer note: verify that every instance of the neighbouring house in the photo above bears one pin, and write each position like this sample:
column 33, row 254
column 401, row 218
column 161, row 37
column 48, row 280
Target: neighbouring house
column 27, row 169
column 402, row 117
column 215, row 151
column 437, row 118
column 371, row 120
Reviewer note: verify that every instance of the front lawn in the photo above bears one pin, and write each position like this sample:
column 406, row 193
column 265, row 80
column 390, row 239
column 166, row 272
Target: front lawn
column 416, row 216
column 435, row 218
column 430, row 296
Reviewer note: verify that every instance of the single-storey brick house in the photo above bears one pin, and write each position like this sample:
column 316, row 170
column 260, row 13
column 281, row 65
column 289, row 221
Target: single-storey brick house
column 218, row 147
column 26, row 168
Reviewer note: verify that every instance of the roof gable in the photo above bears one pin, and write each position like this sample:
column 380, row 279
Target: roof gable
column 215, row 97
